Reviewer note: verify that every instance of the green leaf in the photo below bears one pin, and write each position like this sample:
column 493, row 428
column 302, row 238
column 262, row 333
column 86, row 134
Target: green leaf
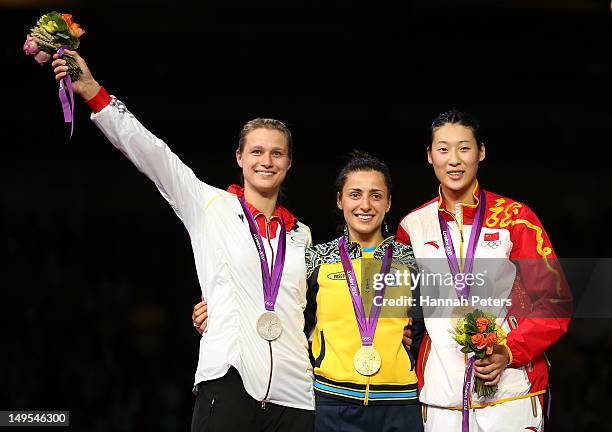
column 63, row 36
column 61, row 24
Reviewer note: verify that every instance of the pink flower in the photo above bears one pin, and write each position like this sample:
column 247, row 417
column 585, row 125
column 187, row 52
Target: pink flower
column 29, row 46
column 42, row 57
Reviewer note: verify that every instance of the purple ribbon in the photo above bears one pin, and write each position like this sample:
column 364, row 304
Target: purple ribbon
column 467, row 388
column 67, row 106
column 271, row 283
column 449, row 249
column 367, row 327
column 549, row 403
column 464, row 292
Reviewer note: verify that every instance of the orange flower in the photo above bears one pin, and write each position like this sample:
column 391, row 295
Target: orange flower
column 76, row 30
column 482, row 323
column 479, row 340
column 491, row 339
column 489, row 350
column 68, row 19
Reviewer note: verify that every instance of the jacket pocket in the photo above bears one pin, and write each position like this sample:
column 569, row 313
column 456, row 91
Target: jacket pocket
column 321, row 355
column 204, row 411
column 513, row 324
column 410, row 357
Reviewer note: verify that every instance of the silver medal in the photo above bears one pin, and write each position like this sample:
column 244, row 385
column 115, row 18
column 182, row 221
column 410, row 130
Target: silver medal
column 269, row 326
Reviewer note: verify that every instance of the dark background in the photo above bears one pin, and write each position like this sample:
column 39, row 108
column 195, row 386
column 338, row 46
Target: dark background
column 98, row 280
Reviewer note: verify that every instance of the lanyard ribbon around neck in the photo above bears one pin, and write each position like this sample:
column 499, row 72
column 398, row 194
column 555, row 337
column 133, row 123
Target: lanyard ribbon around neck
column 464, row 292
column 449, row 249
column 367, row 327
column 271, row 281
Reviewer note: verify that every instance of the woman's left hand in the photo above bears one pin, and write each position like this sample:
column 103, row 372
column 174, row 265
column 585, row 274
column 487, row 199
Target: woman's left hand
column 199, row 317
column 491, row 367
column 407, row 338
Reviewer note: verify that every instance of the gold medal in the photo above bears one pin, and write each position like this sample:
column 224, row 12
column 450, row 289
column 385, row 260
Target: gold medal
column 367, row 361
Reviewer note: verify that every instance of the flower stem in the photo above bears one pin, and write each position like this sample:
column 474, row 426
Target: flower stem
column 73, row 68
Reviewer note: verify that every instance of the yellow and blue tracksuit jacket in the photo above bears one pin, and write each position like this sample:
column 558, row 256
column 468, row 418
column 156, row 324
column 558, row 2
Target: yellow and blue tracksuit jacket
column 336, row 337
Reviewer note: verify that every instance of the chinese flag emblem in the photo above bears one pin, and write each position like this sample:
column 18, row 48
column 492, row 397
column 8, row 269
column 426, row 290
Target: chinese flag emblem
column 491, row 236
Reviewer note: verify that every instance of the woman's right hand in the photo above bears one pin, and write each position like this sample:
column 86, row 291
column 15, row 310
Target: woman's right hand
column 86, row 86
column 199, row 317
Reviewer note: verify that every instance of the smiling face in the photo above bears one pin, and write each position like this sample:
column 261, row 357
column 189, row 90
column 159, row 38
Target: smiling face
column 264, row 160
column 455, row 156
column 364, row 201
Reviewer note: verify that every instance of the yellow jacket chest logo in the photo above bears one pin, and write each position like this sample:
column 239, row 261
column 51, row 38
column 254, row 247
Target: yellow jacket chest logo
column 337, row 276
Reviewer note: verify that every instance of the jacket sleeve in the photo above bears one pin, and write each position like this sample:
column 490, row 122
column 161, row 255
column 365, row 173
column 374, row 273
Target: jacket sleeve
column 402, row 235
column 175, row 181
column 310, row 312
column 312, row 275
column 415, row 313
column 541, row 299
column 418, row 322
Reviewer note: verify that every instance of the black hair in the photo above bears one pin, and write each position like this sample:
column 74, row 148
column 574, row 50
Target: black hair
column 456, row 117
column 362, row 161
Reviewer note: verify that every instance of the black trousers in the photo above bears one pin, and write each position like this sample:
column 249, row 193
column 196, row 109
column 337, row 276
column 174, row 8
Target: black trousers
column 223, row 405
column 337, row 416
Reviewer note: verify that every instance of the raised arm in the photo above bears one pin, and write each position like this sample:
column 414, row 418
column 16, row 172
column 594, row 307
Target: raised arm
column 176, row 182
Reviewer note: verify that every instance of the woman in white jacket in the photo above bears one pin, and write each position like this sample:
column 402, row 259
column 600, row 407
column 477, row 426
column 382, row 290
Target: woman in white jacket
column 253, row 371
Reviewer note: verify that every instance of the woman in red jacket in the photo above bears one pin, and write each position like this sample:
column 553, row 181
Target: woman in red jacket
column 466, row 229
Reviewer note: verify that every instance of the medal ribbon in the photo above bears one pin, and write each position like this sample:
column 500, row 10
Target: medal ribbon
column 449, row 249
column 367, row 327
column 464, row 292
column 467, row 386
column 271, row 282
column 67, row 105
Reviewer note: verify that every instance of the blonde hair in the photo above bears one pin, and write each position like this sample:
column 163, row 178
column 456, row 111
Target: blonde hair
column 266, row 123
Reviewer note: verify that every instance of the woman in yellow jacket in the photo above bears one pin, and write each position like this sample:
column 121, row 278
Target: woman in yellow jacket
column 359, row 293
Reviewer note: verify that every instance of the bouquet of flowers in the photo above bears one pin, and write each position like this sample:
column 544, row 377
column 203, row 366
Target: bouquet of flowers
column 54, row 31
column 478, row 333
